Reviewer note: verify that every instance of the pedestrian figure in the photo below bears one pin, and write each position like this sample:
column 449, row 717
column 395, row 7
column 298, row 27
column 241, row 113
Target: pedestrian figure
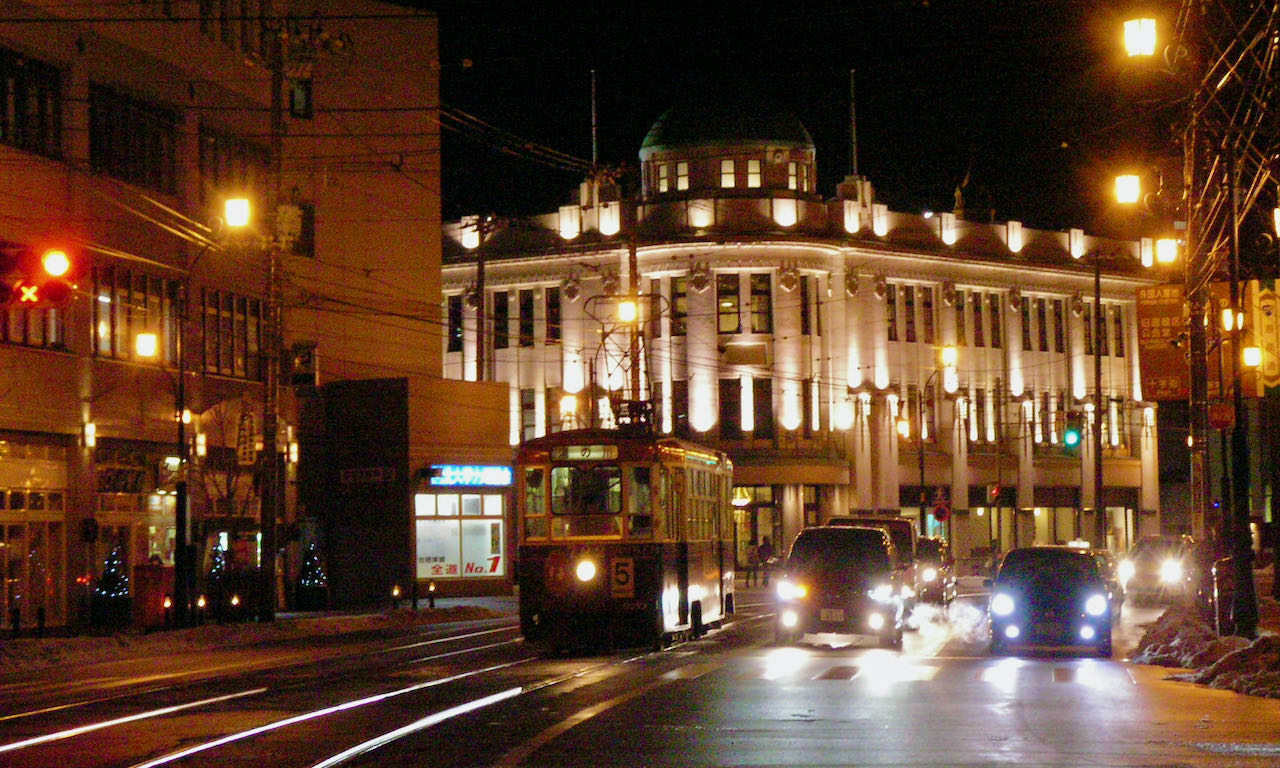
column 765, row 556
column 753, row 562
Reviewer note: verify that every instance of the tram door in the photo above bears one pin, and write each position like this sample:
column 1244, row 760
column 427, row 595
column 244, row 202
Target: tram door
column 677, row 510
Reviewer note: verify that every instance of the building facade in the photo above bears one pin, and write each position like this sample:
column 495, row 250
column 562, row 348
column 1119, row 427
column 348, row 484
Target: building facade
column 127, row 127
column 813, row 340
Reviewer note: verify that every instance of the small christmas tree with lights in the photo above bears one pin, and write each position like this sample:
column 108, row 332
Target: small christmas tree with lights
column 110, row 607
column 313, row 584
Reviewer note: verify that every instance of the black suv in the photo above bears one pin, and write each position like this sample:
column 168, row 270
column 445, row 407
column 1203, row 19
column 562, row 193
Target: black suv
column 1051, row 597
column 841, row 580
column 902, row 532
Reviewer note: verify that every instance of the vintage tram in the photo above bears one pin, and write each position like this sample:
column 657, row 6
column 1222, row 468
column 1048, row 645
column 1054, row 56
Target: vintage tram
column 625, row 537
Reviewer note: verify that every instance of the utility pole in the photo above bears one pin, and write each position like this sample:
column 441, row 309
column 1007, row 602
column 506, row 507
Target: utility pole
column 1099, row 504
column 294, row 45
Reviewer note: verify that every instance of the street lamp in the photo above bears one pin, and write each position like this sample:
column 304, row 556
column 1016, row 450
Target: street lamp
column 948, row 357
column 1229, row 145
column 238, row 215
column 148, row 345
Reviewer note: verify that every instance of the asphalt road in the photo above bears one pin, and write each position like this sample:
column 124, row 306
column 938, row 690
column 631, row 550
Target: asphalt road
column 476, row 695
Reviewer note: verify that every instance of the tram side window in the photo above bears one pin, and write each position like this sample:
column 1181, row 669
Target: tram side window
column 641, row 511
column 535, row 503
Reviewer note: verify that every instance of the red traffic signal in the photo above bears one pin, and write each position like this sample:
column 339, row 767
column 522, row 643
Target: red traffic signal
column 37, row 281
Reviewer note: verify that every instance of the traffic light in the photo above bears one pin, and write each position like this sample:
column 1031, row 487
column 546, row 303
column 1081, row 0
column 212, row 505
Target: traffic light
column 1073, row 433
column 37, row 280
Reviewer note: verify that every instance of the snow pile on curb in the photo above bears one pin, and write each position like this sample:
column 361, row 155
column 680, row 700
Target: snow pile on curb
column 37, row 653
column 1179, row 638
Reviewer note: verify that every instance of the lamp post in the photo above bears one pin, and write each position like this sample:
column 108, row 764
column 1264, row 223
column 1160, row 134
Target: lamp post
column 148, row 345
column 949, row 359
column 1229, row 143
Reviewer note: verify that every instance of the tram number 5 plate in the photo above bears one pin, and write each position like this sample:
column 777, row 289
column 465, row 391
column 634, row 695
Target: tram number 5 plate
column 622, row 577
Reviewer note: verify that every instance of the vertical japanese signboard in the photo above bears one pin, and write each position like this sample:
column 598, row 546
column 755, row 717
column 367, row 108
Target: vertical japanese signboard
column 1162, row 317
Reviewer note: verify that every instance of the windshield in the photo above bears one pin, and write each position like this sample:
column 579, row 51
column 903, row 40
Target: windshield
column 1042, row 564
column 1157, row 548
column 899, row 530
column 595, row 490
column 821, row 549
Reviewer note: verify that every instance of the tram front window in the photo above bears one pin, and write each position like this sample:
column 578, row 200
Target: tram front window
column 586, row 501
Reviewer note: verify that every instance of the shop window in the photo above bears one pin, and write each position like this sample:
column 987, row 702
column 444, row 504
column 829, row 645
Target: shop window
column 891, row 311
column 961, row 335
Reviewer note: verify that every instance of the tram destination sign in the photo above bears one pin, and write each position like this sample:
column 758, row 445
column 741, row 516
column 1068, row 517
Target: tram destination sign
column 584, row 452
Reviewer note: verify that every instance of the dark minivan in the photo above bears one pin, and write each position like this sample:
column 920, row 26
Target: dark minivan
column 841, row 580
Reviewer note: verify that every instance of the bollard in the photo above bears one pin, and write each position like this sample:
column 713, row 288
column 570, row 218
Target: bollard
column 15, row 621
column 431, row 594
column 40, row 621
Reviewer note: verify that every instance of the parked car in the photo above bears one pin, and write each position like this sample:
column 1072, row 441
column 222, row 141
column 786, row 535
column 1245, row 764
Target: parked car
column 902, row 532
column 1050, row 597
column 936, row 568
column 841, row 580
column 1161, row 568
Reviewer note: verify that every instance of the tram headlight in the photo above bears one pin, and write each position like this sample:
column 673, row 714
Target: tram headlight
column 875, row 621
column 585, row 571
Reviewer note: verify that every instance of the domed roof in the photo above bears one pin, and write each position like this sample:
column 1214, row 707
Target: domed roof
column 738, row 121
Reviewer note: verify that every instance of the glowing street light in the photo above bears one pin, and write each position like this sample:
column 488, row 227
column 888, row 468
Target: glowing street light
column 1140, row 37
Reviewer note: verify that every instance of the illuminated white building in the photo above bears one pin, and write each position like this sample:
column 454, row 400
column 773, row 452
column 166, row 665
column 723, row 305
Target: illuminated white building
column 805, row 337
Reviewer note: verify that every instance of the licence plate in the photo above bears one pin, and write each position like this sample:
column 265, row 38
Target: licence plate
column 831, row 614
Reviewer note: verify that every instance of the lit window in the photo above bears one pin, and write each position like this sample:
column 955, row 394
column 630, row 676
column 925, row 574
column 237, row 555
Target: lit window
column 753, row 173
column 726, row 174
column 682, row 176
column 792, row 180
column 663, row 182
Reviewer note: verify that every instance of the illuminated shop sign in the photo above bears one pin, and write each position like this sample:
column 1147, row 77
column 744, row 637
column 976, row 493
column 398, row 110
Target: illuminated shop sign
column 470, row 474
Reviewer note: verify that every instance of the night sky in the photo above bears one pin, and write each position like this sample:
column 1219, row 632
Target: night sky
column 1032, row 99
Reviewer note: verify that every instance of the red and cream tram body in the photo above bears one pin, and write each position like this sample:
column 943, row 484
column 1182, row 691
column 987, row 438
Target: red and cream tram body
column 625, row 536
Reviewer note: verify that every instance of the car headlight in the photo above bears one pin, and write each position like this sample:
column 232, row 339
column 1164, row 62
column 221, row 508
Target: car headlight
column 881, row 593
column 585, row 571
column 790, row 590
column 1170, row 571
column 1001, row 604
column 1125, row 571
column 1095, row 605
column 929, row 574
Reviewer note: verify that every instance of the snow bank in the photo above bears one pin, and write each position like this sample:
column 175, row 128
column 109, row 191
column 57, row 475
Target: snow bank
column 24, row 654
column 1179, row 638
